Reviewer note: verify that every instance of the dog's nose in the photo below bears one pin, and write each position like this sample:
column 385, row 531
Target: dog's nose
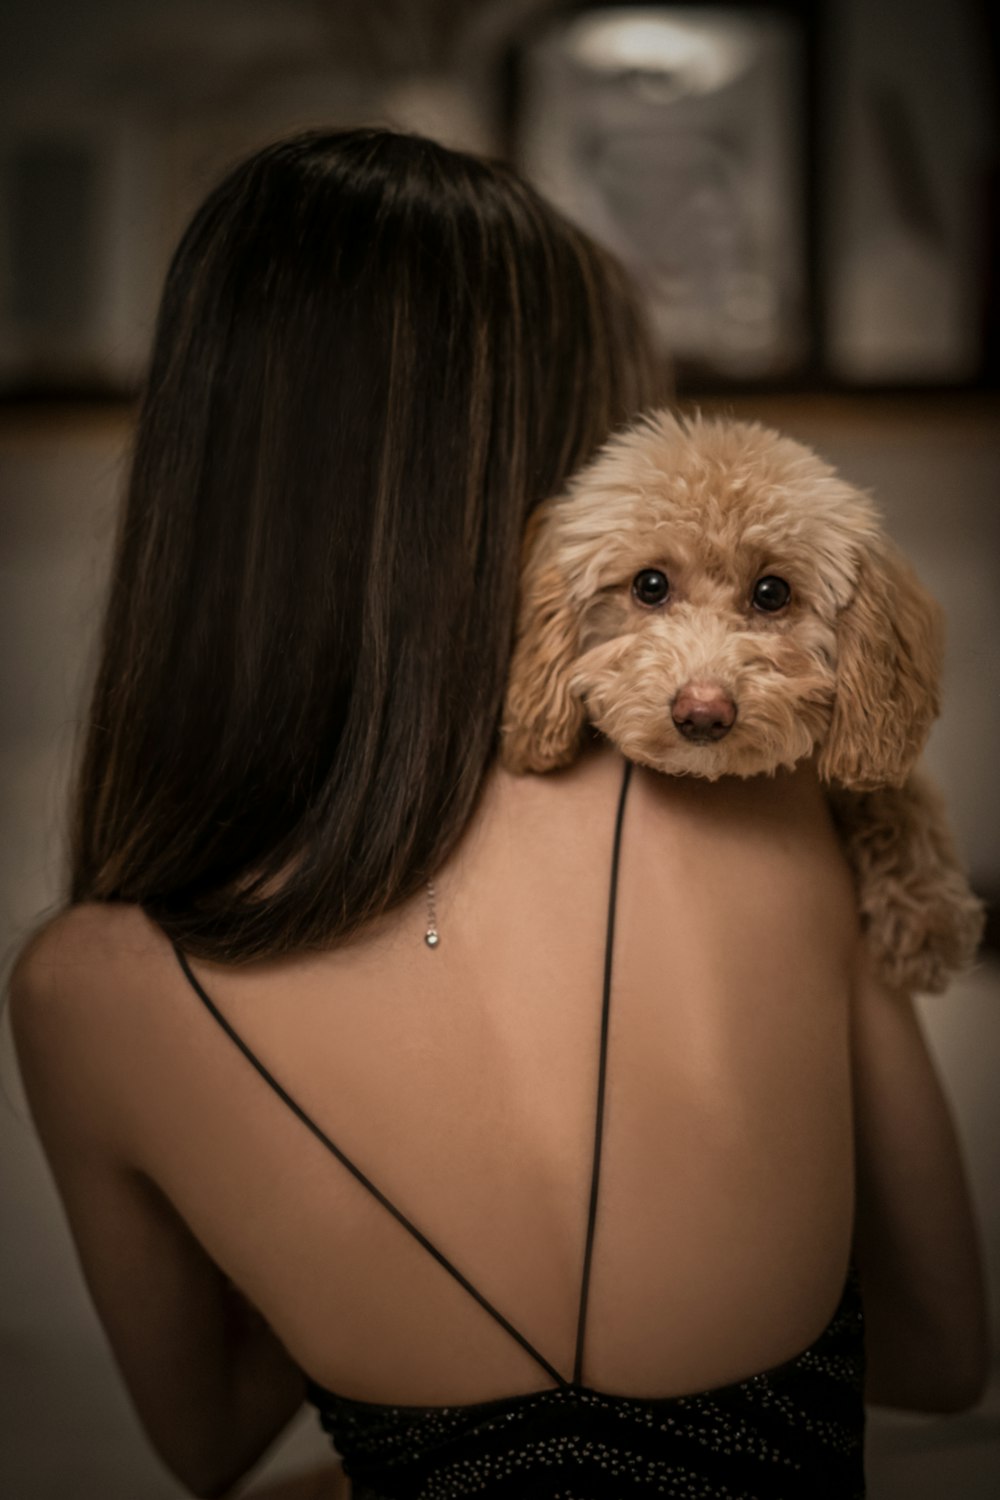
column 703, row 712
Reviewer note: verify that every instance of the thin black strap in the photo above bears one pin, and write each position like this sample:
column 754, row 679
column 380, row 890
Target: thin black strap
column 365, row 1181
column 609, row 943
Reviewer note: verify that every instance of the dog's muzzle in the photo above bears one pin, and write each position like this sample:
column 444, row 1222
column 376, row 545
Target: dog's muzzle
column 703, row 712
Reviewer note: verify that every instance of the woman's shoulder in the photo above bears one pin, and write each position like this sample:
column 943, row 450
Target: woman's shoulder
column 77, row 1028
column 77, row 969
column 790, row 797
column 790, row 806
column 90, row 935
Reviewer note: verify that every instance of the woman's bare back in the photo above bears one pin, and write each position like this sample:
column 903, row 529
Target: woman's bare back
column 463, row 1081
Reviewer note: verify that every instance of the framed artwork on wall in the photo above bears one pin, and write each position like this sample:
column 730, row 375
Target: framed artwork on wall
column 676, row 136
column 805, row 192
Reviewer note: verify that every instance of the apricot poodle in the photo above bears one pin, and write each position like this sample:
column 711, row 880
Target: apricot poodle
column 718, row 602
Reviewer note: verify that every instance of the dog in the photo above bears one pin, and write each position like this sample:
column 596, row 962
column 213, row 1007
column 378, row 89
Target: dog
column 717, row 601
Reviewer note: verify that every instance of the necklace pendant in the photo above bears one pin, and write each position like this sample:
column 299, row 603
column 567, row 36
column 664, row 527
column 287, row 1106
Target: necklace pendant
column 431, row 935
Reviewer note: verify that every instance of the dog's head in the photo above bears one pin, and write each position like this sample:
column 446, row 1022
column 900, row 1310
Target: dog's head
column 714, row 599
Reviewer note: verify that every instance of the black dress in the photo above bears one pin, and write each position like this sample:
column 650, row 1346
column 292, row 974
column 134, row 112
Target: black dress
column 793, row 1432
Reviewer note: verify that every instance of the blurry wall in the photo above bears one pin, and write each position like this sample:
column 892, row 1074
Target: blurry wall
column 776, row 175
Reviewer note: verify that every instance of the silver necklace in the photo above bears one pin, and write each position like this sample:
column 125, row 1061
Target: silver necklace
column 431, row 937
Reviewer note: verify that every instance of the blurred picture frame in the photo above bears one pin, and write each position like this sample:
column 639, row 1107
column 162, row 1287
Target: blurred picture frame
column 676, row 135
column 805, row 192
column 908, row 156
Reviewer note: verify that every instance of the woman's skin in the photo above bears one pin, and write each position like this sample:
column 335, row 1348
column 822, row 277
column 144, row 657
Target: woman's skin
column 746, row 1033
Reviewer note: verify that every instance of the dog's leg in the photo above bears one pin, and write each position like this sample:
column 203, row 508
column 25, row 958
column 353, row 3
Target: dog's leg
column 922, row 919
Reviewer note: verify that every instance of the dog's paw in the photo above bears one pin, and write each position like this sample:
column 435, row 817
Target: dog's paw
column 922, row 920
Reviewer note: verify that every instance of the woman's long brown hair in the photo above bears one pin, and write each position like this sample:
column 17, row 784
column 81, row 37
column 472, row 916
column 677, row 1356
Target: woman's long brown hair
column 373, row 357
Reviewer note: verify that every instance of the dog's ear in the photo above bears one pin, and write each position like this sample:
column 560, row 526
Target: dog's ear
column 542, row 717
column 890, row 643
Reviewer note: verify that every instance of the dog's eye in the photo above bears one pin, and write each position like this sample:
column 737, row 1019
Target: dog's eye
column 771, row 593
column 650, row 586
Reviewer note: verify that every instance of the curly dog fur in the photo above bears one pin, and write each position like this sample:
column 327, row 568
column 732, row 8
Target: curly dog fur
column 726, row 676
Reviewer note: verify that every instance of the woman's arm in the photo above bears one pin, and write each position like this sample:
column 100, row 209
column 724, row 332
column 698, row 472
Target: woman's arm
column 210, row 1382
column 916, row 1239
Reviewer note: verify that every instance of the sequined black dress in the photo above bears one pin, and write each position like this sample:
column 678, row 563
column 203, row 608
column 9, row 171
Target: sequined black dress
column 793, row 1432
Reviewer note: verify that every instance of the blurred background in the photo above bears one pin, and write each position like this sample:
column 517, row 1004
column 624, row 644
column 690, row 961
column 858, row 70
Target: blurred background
column 808, row 196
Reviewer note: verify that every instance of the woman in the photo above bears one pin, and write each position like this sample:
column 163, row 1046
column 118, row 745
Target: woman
column 371, row 1074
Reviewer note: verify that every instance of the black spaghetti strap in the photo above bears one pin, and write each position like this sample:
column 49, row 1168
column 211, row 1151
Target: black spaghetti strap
column 365, row 1181
column 609, row 943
